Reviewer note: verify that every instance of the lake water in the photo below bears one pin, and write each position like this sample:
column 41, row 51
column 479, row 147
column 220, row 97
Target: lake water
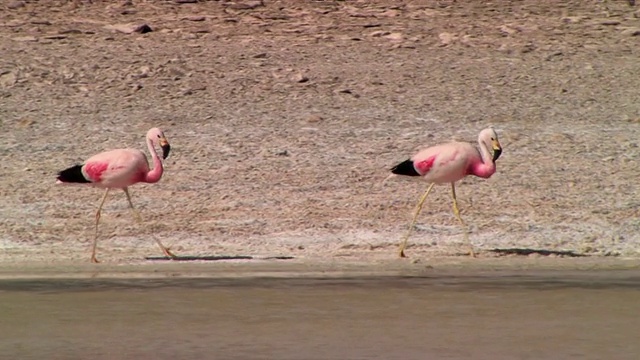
column 439, row 317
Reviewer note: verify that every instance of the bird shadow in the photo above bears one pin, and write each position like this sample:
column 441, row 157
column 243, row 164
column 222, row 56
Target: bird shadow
column 215, row 258
column 543, row 252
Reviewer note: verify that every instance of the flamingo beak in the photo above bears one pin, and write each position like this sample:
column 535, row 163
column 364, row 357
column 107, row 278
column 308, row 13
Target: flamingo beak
column 497, row 149
column 166, row 148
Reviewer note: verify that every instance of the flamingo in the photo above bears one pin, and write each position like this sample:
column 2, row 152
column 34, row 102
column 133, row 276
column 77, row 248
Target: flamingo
column 448, row 163
column 119, row 169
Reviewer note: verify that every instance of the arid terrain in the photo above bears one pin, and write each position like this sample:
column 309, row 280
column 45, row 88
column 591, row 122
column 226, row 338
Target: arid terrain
column 285, row 116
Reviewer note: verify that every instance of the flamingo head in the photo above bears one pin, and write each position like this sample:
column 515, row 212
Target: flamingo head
column 157, row 137
column 489, row 138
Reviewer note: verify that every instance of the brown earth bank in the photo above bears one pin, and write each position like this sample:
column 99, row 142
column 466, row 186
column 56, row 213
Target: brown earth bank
column 285, row 116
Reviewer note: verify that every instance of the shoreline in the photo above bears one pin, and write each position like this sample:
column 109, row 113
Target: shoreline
column 299, row 268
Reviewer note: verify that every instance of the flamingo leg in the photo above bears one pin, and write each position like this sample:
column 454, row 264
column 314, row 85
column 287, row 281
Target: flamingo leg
column 95, row 236
column 403, row 244
column 456, row 212
column 138, row 219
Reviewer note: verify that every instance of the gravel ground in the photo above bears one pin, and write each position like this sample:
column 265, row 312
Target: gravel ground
column 285, row 116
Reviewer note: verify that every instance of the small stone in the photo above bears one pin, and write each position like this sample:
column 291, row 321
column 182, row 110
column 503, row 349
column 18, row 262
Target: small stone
column 26, row 122
column 395, row 36
column 130, row 28
column 572, row 19
column 260, row 56
column 446, row 38
column 631, row 32
column 25, row 39
column 390, row 13
column 8, row 79
column 15, row 5
column 247, row 5
column 300, row 78
column 527, row 48
column 195, row 18
column 506, row 30
column 610, row 22
column 282, row 153
column 55, row 37
column 379, row 33
column 185, row 1
column 314, row 118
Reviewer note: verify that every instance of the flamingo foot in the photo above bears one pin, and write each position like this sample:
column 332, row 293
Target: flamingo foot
column 94, row 260
column 168, row 253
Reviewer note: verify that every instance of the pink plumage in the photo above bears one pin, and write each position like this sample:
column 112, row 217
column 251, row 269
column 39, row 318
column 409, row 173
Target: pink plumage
column 448, row 163
column 119, row 169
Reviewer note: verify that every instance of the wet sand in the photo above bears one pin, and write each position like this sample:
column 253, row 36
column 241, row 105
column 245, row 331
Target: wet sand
column 277, row 310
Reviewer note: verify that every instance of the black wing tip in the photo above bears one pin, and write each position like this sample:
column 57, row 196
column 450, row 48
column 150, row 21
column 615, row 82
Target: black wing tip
column 72, row 175
column 405, row 168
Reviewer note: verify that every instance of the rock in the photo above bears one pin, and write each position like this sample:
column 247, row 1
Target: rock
column 527, row 48
column 572, row 19
column 246, row 5
column 300, row 78
column 396, row 36
column 16, row 5
column 314, row 119
column 631, row 32
column 446, row 38
column 8, row 79
column 25, row 38
column 41, row 22
column 506, row 30
column 55, row 37
column 379, row 33
column 195, row 18
column 390, row 13
column 129, row 28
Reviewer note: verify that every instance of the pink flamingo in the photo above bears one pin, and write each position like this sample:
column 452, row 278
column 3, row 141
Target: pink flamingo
column 120, row 168
column 448, row 163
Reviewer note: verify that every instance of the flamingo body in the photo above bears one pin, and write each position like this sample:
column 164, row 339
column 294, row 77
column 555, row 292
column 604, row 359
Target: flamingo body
column 448, row 163
column 119, row 169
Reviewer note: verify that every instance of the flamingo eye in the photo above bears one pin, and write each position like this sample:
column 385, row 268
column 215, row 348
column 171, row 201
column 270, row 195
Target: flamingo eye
column 159, row 136
column 492, row 139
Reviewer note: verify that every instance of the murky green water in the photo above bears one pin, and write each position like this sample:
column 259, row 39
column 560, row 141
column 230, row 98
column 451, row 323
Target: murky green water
column 505, row 317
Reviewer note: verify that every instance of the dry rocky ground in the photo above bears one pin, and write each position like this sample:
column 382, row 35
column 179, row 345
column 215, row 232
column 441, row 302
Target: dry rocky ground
column 285, row 116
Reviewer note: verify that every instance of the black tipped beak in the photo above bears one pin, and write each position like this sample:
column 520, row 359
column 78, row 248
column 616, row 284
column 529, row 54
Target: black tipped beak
column 165, row 150
column 496, row 154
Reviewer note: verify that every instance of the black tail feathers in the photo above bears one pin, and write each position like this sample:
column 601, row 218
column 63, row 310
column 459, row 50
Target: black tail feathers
column 72, row 175
column 405, row 168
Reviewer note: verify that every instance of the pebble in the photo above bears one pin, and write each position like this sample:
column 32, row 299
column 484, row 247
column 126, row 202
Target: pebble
column 195, row 18
column 25, row 38
column 631, row 32
column 395, row 36
column 129, row 28
column 446, row 38
column 247, row 5
column 300, row 78
column 16, row 4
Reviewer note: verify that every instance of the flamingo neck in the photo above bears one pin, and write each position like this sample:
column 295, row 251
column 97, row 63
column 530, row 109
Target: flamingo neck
column 487, row 166
column 155, row 174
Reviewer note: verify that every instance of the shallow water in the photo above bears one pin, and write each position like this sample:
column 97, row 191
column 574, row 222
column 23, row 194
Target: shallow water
column 448, row 317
